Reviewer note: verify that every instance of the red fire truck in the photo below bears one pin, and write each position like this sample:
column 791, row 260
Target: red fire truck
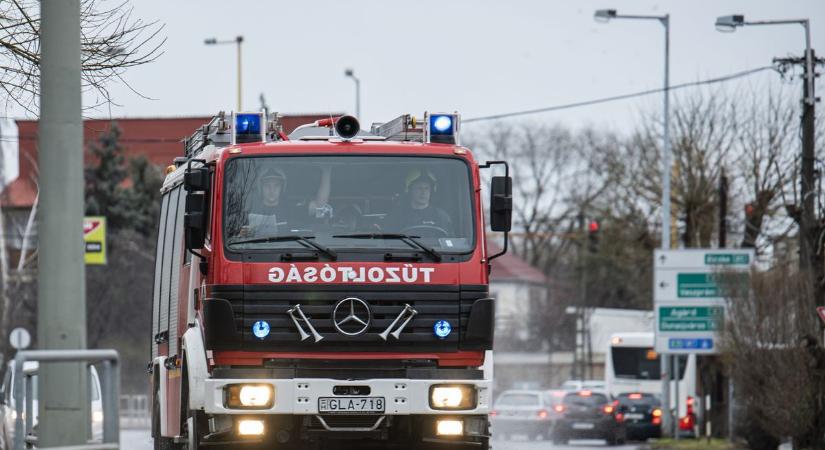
column 324, row 287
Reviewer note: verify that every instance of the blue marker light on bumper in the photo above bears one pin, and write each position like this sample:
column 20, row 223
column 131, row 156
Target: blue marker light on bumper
column 260, row 329
column 442, row 329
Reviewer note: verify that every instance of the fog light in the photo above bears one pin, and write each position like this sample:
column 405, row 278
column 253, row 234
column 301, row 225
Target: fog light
column 250, row 427
column 249, row 396
column 449, row 428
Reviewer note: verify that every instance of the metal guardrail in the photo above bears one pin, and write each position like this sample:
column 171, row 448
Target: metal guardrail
column 134, row 411
column 110, row 394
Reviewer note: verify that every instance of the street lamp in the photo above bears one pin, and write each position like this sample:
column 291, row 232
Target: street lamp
column 604, row 16
column 808, row 229
column 351, row 74
column 238, row 41
column 728, row 24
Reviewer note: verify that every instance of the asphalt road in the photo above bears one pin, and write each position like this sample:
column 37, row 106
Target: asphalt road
column 517, row 444
column 140, row 440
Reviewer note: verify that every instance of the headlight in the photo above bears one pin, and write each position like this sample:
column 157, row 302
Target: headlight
column 452, row 396
column 97, row 416
column 249, row 396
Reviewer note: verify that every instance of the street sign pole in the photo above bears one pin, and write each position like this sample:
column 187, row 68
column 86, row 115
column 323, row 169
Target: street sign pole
column 61, row 308
column 690, row 305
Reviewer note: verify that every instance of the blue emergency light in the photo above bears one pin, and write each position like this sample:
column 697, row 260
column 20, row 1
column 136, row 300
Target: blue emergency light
column 248, row 127
column 442, row 329
column 260, row 329
column 442, row 128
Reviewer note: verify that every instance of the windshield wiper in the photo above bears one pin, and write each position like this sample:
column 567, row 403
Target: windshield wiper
column 412, row 241
column 305, row 240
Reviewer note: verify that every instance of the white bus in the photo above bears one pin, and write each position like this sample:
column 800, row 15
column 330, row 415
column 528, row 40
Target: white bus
column 632, row 365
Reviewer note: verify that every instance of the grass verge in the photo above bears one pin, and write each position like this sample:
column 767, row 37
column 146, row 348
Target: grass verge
column 692, row 444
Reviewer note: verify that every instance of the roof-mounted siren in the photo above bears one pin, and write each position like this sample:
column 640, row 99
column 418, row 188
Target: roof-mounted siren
column 442, row 128
column 347, row 127
column 248, row 127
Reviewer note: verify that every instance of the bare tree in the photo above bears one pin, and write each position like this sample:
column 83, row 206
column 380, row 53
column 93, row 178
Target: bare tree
column 775, row 356
column 554, row 182
column 112, row 40
column 766, row 169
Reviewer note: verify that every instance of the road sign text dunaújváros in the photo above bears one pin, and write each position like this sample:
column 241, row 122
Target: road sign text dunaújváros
column 726, row 259
column 691, row 318
column 705, row 285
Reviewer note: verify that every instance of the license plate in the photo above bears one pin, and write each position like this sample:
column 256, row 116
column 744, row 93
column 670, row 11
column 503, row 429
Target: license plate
column 582, row 426
column 350, row 405
column 634, row 416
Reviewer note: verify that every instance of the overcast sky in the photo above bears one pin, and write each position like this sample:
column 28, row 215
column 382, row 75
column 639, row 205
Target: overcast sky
column 479, row 57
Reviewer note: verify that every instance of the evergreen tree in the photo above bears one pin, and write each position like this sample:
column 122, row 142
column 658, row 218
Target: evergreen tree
column 124, row 190
column 105, row 195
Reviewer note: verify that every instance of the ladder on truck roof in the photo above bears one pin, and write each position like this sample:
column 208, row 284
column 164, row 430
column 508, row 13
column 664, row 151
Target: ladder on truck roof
column 219, row 131
column 227, row 129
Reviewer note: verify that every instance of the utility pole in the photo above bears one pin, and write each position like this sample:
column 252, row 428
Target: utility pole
column 808, row 220
column 723, row 210
column 239, row 41
column 61, row 308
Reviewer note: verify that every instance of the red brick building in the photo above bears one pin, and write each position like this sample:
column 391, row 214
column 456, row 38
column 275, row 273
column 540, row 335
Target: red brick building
column 159, row 139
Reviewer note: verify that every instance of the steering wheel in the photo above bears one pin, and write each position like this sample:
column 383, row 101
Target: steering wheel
column 425, row 231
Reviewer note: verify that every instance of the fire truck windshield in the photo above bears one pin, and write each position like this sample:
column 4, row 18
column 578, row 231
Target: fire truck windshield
column 338, row 200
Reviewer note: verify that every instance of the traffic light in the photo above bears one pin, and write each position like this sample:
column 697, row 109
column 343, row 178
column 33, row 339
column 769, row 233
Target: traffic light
column 749, row 210
column 593, row 236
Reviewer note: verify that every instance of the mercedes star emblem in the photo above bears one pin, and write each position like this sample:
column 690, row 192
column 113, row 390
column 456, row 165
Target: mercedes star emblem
column 351, row 316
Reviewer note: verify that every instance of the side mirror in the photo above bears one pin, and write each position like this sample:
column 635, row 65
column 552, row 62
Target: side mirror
column 501, row 203
column 196, row 179
column 194, row 220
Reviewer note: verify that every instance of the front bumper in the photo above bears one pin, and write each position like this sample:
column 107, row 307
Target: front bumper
column 643, row 430
column 299, row 396
column 602, row 428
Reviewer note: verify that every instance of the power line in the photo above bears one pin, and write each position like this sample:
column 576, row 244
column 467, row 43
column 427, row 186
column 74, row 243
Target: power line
column 619, row 97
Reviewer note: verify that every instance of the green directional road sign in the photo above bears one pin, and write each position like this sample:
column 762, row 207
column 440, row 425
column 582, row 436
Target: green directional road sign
column 691, row 318
column 693, row 285
column 705, row 285
column 727, row 259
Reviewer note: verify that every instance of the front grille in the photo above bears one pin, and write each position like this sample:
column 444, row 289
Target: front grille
column 271, row 303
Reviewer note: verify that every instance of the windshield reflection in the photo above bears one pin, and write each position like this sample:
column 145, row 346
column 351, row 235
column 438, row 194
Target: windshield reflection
column 336, row 198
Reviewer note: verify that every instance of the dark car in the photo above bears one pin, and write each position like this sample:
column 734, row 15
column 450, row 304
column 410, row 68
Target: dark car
column 522, row 412
column 588, row 415
column 642, row 415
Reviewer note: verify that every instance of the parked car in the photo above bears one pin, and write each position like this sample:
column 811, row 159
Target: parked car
column 9, row 411
column 522, row 412
column 587, row 414
column 642, row 415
